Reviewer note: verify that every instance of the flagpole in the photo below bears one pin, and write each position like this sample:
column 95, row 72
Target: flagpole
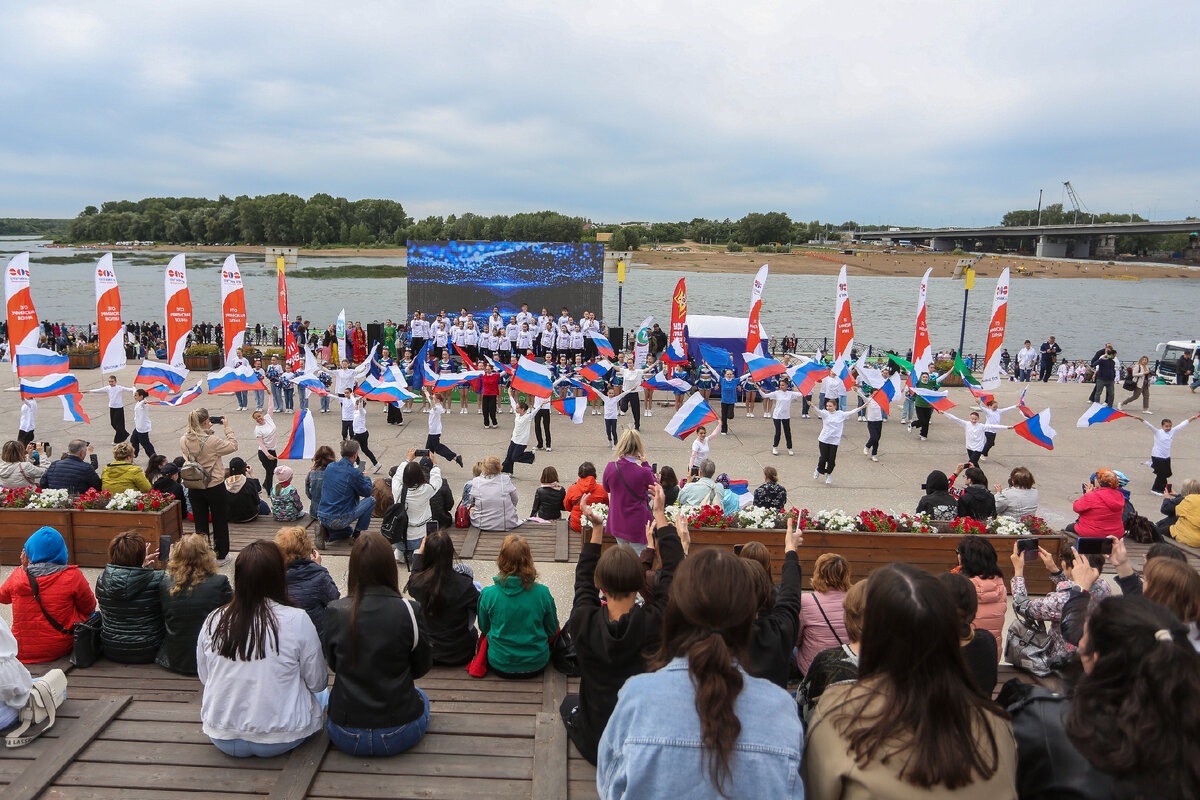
column 620, row 287
column 968, row 285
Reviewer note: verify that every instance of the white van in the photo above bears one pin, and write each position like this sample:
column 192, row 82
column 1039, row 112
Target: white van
column 1168, row 354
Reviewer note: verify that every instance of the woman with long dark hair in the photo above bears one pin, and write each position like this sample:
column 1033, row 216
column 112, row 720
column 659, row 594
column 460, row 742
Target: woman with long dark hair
column 700, row 725
column 377, row 644
column 978, row 562
column 260, row 661
column 915, row 720
column 449, row 600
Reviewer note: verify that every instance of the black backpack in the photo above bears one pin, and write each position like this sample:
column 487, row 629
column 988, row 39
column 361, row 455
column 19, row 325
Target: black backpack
column 395, row 520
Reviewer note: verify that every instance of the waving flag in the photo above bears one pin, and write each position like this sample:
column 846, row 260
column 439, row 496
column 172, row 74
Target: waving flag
column 310, row 382
column 445, row 381
column 108, row 316
column 303, row 441
column 762, row 367
column 641, row 343
column 603, row 346
column 991, row 361
column 742, row 490
column 695, row 413
column 676, row 352
column 22, row 318
column 467, row 362
column 922, row 352
column 573, row 407
column 421, row 358
column 843, row 332
column 1024, row 409
column 586, row 387
column 888, row 392
column 1037, row 429
column 841, row 368
column 1098, row 413
column 233, row 308
column 152, row 375
column 661, row 382
column 532, row 378
column 181, row 399
column 718, row 358
column 807, row 375
column 234, row 379
column 753, row 331
column 384, row 388
column 939, row 400
column 50, row 386
column 871, row 376
column 595, row 372
column 503, row 369
column 73, row 408
column 178, row 311
column 38, row 362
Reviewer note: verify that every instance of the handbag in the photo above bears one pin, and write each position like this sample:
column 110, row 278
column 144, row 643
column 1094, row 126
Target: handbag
column 462, row 516
column 39, row 712
column 87, row 646
column 1027, row 645
column 478, row 666
column 563, row 655
column 395, row 521
column 1130, row 383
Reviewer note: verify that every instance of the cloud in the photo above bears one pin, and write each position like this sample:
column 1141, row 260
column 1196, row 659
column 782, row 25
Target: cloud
column 915, row 113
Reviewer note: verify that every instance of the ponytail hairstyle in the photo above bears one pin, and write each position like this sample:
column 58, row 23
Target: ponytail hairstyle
column 1136, row 711
column 708, row 621
column 196, row 420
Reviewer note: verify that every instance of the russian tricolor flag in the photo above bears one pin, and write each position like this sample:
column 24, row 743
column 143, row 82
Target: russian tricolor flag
column 1098, row 413
column 444, row 381
column 886, row 393
column 1024, row 409
column 807, row 375
column 151, row 374
column 503, row 369
column 661, row 382
column 310, row 382
column 691, row 415
column 676, row 353
column 1037, row 429
column 742, row 490
column 573, row 407
column 532, row 378
column 594, row 372
column 383, row 390
column 73, row 408
column 179, row 399
column 603, row 346
column 761, row 367
column 37, row 362
column 233, row 379
column 303, row 441
column 939, row 400
column 983, row 395
column 50, row 386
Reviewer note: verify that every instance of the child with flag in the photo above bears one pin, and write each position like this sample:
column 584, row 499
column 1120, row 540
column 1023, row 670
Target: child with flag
column 489, row 393
column 541, row 418
column 991, row 414
column 522, row 422
column 433, row 441
column 141, row 424
column 832, row 422
column 1160, row 453
column 25, row 428
column 781, row 413
column 923, row 408
column 974, row 431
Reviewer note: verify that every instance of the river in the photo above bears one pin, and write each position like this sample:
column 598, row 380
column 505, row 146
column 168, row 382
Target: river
column 1083, row 313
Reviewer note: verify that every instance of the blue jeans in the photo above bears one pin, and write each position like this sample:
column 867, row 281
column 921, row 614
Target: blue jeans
column 240, row 748
column 241, row 398
column 324, row 402
column 304, row 393
column 366, row 742
column 277, row 396
column 910, row 408
column 289, row 392
column 361, row 514
column 260, row 397
column 8, row 715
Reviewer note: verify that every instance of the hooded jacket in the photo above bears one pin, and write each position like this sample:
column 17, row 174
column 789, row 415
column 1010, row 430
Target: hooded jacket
column 183, row 614
column 121, row 475
column 993, row 603
column 132, row 630
column 518, row 623
column 20, row 474
column 977, row 502
column 575, row 494
column 1100, row 513
column 242, row 497
column 310, row 587
column 68, row 599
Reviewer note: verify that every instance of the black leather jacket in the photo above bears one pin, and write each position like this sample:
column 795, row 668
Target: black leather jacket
column 451, row 631
column 132, row 630
column 183, row 614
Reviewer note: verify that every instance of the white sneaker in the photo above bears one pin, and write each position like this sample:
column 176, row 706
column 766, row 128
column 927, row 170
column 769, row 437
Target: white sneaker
column 377, row 468
column 1147, row 464
column 816, row 474
column 874, row 458
column 804, row 416
column 1120, row 405
column 748, row 414
column 828, row 479
column 425, row 410
column 983, row 458
column 1147, row 411
column 923, row 438
column 649, row 413
column 223, row 561
column 396, row 553
column 621, row 413
column 1156, row 494
column 548, row 448
column 866, row 451
column 790, row 453
column 775, row 451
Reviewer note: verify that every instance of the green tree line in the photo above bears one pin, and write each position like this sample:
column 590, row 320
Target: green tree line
column 48, row 228
column 1055, row 214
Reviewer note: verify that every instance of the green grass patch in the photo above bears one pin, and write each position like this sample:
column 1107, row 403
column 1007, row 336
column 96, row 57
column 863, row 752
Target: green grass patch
column 351, row 271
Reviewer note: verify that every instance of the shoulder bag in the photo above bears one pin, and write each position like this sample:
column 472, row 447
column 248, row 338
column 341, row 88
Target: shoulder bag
column 87, row 646
column 825, row 616
column 462, row 516
column 39, row 712
column 628, row 488
column 563, row 654
column 395, row 520
column 192, row 474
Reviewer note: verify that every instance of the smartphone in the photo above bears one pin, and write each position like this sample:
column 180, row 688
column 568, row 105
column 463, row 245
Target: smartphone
column 737, row 549
column 46, row 449
column 164, row 547
column 1083, row 487
column 654, row 469
column 421, row 453
column 1029, row 547
column 1168, row 485
column 216, row 419
column 1092, row 546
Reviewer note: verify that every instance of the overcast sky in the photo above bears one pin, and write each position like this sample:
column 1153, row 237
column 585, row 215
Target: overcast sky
column 919, row 113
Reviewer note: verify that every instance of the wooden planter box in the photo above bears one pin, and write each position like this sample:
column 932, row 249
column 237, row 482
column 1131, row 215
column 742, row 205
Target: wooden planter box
column 84, row 360
column 933, row 552
column 87, row 533
column 207, row 363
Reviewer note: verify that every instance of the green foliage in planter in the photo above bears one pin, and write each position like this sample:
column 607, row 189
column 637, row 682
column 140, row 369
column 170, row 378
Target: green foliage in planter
column 202, row 350
column 83, row 349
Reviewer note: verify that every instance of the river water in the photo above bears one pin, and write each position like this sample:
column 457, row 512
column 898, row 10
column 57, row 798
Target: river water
column 1082, row 313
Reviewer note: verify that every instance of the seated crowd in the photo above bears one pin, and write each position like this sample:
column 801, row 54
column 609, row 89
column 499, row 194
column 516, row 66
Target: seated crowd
column 685, row 655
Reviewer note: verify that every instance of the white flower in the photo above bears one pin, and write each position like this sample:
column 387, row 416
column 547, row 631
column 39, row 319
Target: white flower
column 600, row 509
column 1007, row 526
column 49, row 498
column 125, row 501
column 757, row 517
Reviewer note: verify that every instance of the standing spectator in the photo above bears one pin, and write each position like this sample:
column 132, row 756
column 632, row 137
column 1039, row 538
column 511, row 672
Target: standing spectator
column 201, row 446
column 309, row 584
column 626, row 480
column 42, row 621
column 189, row 591
column 1105, row 365
column 1143, row 376
column 1049, row 354
column 517, row 614
column 822, row 620
column 128, row 593
column 416, row 489
column 449, row 600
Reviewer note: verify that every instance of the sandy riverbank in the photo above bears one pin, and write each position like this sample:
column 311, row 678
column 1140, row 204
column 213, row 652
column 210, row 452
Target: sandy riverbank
column 862, row 262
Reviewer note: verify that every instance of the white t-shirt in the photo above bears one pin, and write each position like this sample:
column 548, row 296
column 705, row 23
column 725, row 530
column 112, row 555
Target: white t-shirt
column 114, row 394
column 1162, row 439
column 359, row 424
column 700, row 450
column 832, row 387
column 539, row 403
column 28, row 413
column 347, row 408
column 783, row 403
column 141, row 417
column 975, row 431
column 831, row 424
column 435, row 418
column 521, row 426
column 266, row 432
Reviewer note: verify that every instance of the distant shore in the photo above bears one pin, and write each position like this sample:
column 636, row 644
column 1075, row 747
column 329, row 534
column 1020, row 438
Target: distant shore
column 815, row 262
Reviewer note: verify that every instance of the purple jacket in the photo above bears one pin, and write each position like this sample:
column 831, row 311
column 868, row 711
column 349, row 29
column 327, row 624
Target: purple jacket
column 628, row 507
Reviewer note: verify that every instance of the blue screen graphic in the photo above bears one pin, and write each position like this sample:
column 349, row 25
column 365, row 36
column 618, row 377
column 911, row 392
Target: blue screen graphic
column 481, row 275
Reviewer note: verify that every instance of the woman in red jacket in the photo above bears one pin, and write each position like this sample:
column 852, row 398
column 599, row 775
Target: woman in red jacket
column 42, row 623
column 1101, row 508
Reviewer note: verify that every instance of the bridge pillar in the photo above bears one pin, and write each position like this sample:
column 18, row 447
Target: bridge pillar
column 1049, row 249
column 1083, row 247
column 941, row 245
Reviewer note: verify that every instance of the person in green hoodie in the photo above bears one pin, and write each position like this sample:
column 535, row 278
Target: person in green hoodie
column 122, row 473
column 924, row 410
column 517, row 614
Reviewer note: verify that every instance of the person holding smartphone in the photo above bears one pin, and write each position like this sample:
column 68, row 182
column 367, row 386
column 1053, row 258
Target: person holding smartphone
column 1100, row 508
column 1050, row 607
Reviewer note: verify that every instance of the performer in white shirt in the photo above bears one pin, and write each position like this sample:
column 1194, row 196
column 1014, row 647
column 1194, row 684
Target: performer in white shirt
column 116, row 407
column 1160, row 454
column 974, row 431
column 518, row 444
column 991, row 415
column 832, row 422
column 525, row 339
column 525, row 316
column 631, row 380
column 781, row 414
column 141, row 424
column 25, row 429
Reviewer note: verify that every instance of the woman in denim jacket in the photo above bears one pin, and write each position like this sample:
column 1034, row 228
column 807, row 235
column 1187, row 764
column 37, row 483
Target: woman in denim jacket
column 701, row 727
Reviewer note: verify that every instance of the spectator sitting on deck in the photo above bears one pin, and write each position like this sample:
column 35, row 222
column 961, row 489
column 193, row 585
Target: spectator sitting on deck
column 128, row 593
column 189, row 592
column 121, row 473
column 309, row 584
column 66, row 598
column 72, row 472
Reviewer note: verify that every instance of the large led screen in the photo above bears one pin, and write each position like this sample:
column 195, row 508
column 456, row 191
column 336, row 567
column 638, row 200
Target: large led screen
column 481, row 275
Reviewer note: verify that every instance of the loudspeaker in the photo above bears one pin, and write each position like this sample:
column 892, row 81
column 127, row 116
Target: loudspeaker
column 616, row 336
column 375, row 334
